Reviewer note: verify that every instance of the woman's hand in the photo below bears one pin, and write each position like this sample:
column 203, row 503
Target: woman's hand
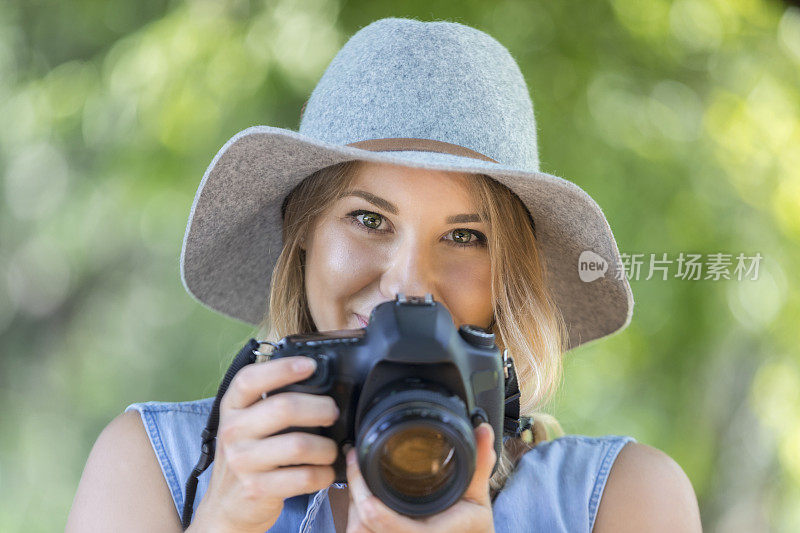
column 471, row 514
column 253, row 470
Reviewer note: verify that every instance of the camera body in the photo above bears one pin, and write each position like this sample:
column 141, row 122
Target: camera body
column 412, row 374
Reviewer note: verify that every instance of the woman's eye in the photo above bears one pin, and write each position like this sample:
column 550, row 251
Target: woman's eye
column 367, row 219
column 461, row 236
column 467, row 237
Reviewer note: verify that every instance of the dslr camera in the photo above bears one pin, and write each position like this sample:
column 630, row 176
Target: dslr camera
column 411, row 387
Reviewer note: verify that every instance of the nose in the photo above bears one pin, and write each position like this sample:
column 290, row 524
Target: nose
column 408, row 271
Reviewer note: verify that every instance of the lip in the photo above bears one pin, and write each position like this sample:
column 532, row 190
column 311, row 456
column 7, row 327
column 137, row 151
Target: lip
column 362, row 322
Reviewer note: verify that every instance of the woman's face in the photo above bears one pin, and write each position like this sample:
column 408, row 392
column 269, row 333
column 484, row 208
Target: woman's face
column 398, row 230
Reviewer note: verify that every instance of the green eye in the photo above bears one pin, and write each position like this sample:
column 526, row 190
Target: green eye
column 466, row 237
column 371, row 220
column 366, row 220
column 461, row 236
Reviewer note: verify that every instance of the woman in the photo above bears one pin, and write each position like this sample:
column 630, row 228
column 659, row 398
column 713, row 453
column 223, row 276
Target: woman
column 415, row 170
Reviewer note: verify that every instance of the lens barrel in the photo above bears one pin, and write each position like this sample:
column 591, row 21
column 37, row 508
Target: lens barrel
column 416, row 449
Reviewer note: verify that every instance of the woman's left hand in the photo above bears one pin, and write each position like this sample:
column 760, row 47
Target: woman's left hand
column 471, row 514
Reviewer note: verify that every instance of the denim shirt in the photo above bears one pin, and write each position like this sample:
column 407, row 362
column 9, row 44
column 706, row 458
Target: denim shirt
column 556, row 486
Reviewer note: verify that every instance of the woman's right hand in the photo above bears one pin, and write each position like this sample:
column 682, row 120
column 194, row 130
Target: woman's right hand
column 252, row 469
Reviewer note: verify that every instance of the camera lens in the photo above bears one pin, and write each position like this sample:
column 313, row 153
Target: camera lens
column 416, row 449
column 417, row 461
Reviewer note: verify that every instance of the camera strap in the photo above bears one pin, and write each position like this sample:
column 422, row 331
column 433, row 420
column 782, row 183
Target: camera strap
column 513, row 424
column 245, row 357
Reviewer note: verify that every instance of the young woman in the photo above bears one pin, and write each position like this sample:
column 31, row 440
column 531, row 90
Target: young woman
column 414, row 171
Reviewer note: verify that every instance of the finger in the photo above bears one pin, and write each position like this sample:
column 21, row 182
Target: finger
column 463, row 516
column 281, row 450
column 373, row 513
column 478, row 489
column 354, row 524
column 251, row 381
column 289, row 481
column 275, row 413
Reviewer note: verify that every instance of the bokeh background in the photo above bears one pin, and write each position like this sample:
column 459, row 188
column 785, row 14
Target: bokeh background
column 682, row 119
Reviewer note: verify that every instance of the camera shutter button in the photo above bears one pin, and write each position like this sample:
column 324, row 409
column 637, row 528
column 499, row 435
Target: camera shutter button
column 320, row 375
column 476, row 336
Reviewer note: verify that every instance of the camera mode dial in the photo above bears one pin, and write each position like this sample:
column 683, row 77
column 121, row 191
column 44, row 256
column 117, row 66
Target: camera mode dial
column 476, row 336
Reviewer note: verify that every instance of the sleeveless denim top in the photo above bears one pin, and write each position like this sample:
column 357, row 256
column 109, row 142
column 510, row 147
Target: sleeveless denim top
column 556, row 486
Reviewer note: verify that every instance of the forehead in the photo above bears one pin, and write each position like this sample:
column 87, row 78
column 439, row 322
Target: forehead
column 403, row 182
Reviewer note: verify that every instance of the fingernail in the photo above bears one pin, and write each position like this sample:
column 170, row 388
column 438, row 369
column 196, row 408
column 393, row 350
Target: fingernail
column 305, row 364
column 351, row 456
column 346, row 447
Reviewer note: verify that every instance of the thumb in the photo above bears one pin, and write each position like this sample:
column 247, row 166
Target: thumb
column 478, row 489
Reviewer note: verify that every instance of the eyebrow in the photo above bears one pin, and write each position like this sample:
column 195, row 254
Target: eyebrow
column 390, row 207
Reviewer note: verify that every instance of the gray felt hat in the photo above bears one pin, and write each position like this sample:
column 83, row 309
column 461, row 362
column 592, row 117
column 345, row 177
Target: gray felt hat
column 431, row 95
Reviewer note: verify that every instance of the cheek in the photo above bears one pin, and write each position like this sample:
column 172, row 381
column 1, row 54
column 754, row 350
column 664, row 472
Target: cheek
column 337, row 266
column 466, row 287
column 339, row 260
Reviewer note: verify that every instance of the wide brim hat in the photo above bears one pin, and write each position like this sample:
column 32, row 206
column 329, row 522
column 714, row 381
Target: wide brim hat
column 428, row 95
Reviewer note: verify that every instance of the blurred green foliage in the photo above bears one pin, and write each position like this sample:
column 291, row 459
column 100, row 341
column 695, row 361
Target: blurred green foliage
column 680, row 118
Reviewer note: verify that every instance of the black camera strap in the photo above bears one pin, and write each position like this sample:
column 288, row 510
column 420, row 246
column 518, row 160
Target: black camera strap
column 245, row 357
column 513, row 424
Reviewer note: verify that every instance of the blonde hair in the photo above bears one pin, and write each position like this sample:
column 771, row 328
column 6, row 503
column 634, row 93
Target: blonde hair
column 526, row 320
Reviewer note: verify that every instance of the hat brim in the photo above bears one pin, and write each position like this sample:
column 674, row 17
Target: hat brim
column 233, row 236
